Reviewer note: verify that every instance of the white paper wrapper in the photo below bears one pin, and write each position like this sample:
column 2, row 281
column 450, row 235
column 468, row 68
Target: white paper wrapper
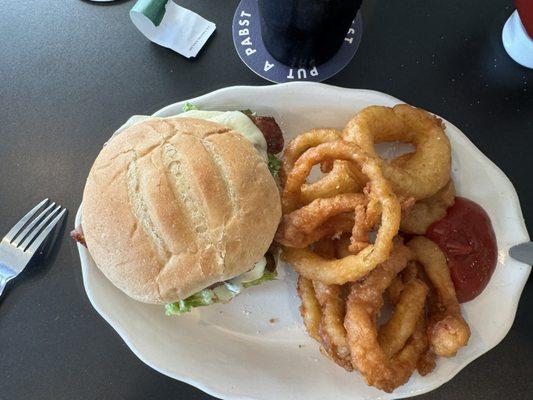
column 172, row 26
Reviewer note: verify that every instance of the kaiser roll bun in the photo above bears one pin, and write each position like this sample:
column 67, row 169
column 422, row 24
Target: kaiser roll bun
column 173, row 205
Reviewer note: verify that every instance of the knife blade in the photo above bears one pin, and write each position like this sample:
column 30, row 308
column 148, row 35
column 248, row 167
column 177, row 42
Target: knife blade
column 522, row 252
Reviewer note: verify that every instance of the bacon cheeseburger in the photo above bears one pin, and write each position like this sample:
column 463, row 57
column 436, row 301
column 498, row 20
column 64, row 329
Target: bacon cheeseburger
column 182, row 210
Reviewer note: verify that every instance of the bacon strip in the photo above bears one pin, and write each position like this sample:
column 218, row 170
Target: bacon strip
column 271, row 131
column 78, row 236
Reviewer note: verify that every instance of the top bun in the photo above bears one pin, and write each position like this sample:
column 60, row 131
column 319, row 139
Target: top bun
column 173, row 205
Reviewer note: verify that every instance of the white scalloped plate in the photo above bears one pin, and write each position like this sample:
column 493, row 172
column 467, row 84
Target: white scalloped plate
column 233, row 352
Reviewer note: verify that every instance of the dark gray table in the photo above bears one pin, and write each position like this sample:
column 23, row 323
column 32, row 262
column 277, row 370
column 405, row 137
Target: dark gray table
column 72, row 71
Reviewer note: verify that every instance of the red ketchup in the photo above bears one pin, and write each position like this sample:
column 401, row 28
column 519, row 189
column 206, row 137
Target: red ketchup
column 466, row 237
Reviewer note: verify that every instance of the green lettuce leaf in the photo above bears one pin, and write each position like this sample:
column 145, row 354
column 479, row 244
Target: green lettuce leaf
column 274, row 164
column 267, row 276
column 203, row 298
column 248, row 112
column 207, row 297
column 189, row 106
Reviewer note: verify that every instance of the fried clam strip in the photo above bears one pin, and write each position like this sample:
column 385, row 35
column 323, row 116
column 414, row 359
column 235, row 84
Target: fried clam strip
column 423, row 213
column 408, row 310
column 419, row 174
column 447, row 329
column 395, row 288
column 310, row 308
column 329, row 331
column 410, row 272
column 305, row 225
column 427, row 360
column 341, row 177
column 352, row 267
column 331, row 328
column 363, row 305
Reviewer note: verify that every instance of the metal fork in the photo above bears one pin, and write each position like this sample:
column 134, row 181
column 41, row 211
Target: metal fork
column 24, row 240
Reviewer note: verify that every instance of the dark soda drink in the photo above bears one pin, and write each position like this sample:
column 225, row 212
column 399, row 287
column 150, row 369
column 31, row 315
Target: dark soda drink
column 305, row 33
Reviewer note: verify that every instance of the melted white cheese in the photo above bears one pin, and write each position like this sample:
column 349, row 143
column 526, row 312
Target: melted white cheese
column 235, row 120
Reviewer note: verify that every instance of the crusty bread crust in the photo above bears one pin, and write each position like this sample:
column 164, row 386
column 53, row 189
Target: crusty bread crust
column 174, row 205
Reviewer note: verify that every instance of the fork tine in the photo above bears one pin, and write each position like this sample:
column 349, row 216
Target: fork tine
column 12, row 234
column 22, row 235
column 46, row 231
column 33, row 234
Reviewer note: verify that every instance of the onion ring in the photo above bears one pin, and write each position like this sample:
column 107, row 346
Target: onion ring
column 341, row 177
column 395, row 288
column 427, row 211
column 342, row 246
column 326, row 166
column 325, row 248
column 353, row 267
column 309, row 309
column 365, row 218
column 408, row 309
column 331, row 328
column 303, row 142
column 419, row 174
column 322, row 310
column 427, row 360
column 304, row 226
column 364, row 302
column 333, row 227
column 447, row 330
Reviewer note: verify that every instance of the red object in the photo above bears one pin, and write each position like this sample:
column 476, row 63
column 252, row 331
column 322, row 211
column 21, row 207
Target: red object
column 78, row 236
column 271, row 131
column 525, row 11
column 466, row 237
